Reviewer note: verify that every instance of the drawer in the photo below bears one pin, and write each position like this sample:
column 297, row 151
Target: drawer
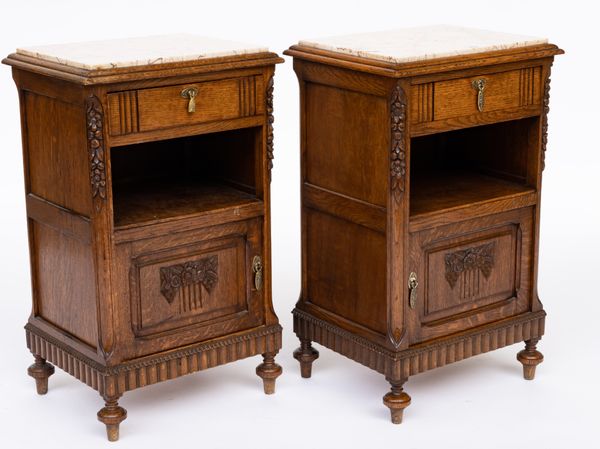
column 471, row 273
column 461, row 97
column 167, row 107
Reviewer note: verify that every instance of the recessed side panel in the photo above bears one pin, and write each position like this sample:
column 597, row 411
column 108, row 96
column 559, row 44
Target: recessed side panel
column 346, row 272
column 346, row 146
column 57, row 152
column 64, row 291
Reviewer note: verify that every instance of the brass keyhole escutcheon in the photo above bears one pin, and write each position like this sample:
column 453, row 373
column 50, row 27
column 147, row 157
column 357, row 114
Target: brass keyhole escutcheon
column 413, row 283
column 257, row 269
column 479, row 86
column 190, row 94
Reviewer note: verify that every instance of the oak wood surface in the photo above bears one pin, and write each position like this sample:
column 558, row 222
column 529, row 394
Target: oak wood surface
column 441, row 191
column 454, row 98
column 187, row 130
column 53, row 140
column 145, row 221
column 420, row 208
column 164, row 107
column 342, row 206
column 359, row 267
column 476, row 271
column 469, row 121
column 354, row 171
column 157, row 201
column 68, row 305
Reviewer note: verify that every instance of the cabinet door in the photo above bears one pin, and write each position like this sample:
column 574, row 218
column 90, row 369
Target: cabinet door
column 194, row 286
column 471, row 273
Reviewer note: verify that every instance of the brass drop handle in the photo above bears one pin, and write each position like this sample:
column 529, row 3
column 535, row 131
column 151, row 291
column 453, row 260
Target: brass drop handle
column 257, row 269
column 479, row 86
column 190, row 94
column 413, row 283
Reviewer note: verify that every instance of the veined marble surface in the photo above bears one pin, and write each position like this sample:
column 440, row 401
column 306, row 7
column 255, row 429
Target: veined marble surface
column 139, row 51
column 421, row 43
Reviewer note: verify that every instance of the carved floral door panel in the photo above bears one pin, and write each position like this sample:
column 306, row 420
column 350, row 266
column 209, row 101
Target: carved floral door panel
column 202, row 286
column 471, row 273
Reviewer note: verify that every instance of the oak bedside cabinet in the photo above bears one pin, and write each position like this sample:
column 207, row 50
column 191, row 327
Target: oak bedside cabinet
column 147, row 174
column 422, row 157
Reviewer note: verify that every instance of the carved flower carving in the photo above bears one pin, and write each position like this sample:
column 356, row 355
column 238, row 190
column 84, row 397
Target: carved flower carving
column 398, row 151
column 174, row 277
column 95, row 147
column 476, row 258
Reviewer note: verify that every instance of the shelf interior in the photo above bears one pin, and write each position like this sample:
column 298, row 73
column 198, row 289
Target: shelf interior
column 160, row 200
column 442, row 190
column 471, row 166
column 176, row 178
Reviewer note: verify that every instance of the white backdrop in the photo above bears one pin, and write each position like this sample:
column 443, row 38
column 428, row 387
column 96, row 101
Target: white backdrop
column 480, row 402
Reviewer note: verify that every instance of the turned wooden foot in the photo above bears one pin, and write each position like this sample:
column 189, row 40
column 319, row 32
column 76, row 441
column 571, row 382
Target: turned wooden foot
column 268, row 371
column 41, row 371
column 112, row 415
column 530, row 357
column 396, row 400
column 306, row 355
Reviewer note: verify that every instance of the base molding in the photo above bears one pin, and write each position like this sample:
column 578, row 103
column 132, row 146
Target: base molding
column 422, row 357
column 115, row 380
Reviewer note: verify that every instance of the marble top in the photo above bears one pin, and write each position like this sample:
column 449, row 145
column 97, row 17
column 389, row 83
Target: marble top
column 421, row 43
column 137, row 51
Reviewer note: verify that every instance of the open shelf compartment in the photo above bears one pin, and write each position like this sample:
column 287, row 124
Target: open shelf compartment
column 185, row 177
column 471, row 167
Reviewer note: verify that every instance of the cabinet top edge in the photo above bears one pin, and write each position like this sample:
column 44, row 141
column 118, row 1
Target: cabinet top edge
column 140, row 72
column 424, row 66
column 422, row 43
column 140, row 51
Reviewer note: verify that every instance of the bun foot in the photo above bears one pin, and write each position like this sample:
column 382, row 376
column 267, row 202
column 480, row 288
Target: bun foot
column 396, row 400
column 112, row 415
column 306, row 355
column 41, row 371
column 268, row 371
column 530, row 357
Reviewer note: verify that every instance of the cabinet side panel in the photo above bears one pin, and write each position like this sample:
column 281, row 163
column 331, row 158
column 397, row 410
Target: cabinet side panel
column 57, row 152
column 346, row 146
column 64, row 282
column 346, row 272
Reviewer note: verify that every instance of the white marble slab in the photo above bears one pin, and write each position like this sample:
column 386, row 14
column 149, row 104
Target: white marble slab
column 421, row 43
column 139, row 51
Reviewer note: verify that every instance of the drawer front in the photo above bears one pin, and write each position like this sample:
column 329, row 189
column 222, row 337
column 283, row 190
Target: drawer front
column 167, row 107
column 193, row 289
column 471, row 273
column 448, row 99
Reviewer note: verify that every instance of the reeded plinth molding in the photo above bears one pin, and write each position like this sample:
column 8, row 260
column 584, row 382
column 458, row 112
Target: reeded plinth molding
column 128, row 376
column 423, row 357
